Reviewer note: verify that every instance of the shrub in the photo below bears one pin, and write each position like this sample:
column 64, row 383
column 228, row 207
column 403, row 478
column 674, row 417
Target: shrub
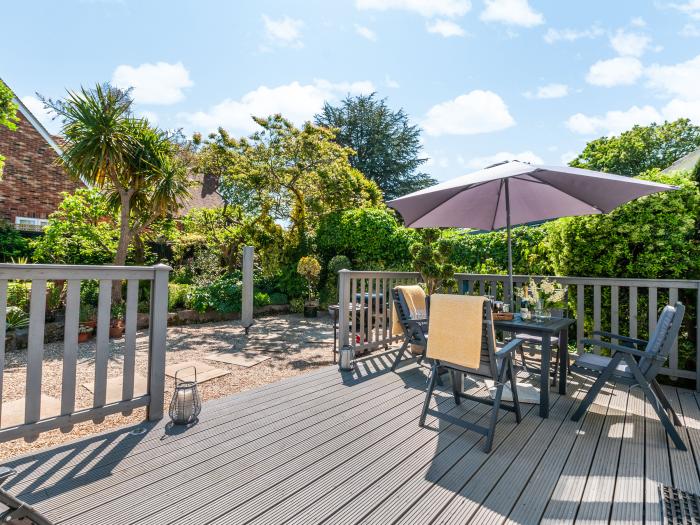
column 13, row 245
column 16, row 318
column 261, row 299
column 278, row 298
column 296, row 305
column 18, row 294
column 310, row 269
column 178, row 296
column 222, row 295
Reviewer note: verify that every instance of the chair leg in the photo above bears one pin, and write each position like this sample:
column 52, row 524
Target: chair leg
column 597, row 387
column 514, row 390
column 456, row 388
column 399, row 356
column 496, row 407
column 665, row 402
column 428, row 394
column 556, row 367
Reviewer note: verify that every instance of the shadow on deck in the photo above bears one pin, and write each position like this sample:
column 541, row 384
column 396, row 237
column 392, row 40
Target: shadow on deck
column 346, row 448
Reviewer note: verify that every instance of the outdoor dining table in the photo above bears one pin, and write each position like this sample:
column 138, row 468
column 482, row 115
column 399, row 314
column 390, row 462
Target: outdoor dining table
column 545, row 330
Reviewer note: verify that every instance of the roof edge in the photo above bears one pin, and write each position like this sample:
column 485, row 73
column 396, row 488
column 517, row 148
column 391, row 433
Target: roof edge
column 24, row 110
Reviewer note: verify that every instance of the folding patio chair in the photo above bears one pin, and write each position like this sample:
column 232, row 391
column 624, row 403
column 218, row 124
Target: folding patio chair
column 15, row 511
column 412, row 316
column 635, row 363
column 463, row 341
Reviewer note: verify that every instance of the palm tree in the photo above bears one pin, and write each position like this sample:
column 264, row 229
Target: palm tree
column 134, row 163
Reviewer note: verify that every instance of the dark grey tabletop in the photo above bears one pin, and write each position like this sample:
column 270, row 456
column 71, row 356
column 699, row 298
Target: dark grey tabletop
column 550, row 326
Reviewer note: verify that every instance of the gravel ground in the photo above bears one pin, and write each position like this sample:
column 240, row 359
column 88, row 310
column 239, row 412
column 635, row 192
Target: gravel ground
column 294, row 344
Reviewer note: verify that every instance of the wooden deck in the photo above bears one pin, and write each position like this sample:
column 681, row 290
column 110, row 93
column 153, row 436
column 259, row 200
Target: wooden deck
column 332, row 448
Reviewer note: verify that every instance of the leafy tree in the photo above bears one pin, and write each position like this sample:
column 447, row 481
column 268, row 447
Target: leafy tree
column 431, row 259
column 386, row 146
column 641, row 148
column 8, row 114
column 293, row 175
column 135, row 164
column 81, row 231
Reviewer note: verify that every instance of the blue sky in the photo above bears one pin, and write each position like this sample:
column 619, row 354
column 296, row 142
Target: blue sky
column 485, row 79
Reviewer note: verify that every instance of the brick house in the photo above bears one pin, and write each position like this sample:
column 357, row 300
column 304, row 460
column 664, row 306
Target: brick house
column 32, row 182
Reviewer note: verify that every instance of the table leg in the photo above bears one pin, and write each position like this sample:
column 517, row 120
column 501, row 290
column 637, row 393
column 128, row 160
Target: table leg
column 544, row 376
column 563, row 359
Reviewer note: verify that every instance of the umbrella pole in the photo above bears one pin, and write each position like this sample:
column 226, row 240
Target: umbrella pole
column 510, row 251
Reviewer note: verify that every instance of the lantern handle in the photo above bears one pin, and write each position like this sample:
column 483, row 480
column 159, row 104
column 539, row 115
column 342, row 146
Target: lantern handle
column 185, row 368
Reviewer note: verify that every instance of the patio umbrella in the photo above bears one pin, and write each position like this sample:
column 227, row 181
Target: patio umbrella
column 514, row 192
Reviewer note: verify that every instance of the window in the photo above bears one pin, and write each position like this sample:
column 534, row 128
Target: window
column 30, row 224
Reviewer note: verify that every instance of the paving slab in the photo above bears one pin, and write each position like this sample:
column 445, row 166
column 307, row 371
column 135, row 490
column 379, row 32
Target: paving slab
column 13, row 411
column 245, row 359
column 527, row 393
column 114, row 387
column 205, row 372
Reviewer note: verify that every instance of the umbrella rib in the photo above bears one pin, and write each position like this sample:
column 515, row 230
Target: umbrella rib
column 470, row 187
column 498, row 201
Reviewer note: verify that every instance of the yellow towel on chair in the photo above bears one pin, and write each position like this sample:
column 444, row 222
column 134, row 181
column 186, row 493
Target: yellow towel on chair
column 455, row 328
column 415, row 300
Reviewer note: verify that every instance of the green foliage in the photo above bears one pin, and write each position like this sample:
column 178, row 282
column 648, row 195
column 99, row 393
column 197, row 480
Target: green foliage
column 223, row 295
column 337, row 263
column 178, row 296
column 330, row 292
column 18, row 294
column 16, row 318
column 371, row 237
column 641, row 148
column 296, row 305
column 8, row 114
column 81, row 231
column 653, row 237
column 431, row 258
column 13, row 245
column 310, row 269
column 89, row 292
column 386, row 146
column 278, row 298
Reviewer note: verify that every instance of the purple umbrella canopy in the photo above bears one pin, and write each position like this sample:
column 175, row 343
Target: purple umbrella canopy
column 534, row 193
column 515, row 192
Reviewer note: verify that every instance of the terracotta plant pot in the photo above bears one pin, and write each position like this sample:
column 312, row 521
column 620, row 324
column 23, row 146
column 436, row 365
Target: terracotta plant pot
column 84, row 336
column 311, row 309
column 116, row 329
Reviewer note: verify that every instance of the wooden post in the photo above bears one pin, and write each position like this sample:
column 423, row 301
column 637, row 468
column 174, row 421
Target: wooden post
column 247, row 299
column 343, row 305
column 157, row 341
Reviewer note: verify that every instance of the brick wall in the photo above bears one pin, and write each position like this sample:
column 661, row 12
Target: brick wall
column 32, row 183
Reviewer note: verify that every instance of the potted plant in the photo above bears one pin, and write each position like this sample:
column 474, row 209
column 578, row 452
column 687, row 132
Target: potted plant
column 310, row 269
column 86, row 328
column 116, row 325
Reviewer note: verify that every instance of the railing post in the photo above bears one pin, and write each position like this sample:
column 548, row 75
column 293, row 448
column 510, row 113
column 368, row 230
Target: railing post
column 697, row 340
column 157, row 341
column 343, row 305
column 247, row 292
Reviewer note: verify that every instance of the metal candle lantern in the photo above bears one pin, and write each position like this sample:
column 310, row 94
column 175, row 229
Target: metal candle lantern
column 346, row 361
column 186, row 403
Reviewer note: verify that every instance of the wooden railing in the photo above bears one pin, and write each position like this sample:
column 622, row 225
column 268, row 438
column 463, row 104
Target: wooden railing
column 369, row 323
column 38, row 275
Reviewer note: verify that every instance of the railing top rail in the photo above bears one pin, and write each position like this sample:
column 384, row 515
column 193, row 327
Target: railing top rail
column 605, row 281
column 70, row 271
column 366, row 274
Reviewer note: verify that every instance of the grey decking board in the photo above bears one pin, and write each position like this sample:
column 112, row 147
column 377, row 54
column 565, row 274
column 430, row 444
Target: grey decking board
column 689, row 413
column 134, row 477
column 471, row 496
column 370, row 464
column 683, row 467
column 210, row 424
column 222, row 497
column 565, row 498
column 628, row 499
column 657, row 464
column 596, row 500
column 367, row 473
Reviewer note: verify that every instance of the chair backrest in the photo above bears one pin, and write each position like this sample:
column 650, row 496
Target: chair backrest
column 403, row 313
column 661, row 340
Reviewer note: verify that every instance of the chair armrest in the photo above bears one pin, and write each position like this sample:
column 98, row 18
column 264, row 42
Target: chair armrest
column 510, row 347
column 616, row 348
column 620, row 337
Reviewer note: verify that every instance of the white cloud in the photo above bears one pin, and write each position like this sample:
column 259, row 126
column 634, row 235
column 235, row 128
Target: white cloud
column 690, row 31
column 391, row 83
column 511, row 12
column 629, row 44
column 549, row 91
column 613, row 122
column 680, row 80
column 366, row 32
column 619, row 71
column 679, row 108
column 151, row 116
column 469, row 114
column 283, row 32
column 567, row 157
column 427, row 8
column 159, row 83
column 297, row 102
column 691, row 8
column 478, row 163
column 638, row 21
column 446, row 28
column 571, row 35
column 45, row 116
